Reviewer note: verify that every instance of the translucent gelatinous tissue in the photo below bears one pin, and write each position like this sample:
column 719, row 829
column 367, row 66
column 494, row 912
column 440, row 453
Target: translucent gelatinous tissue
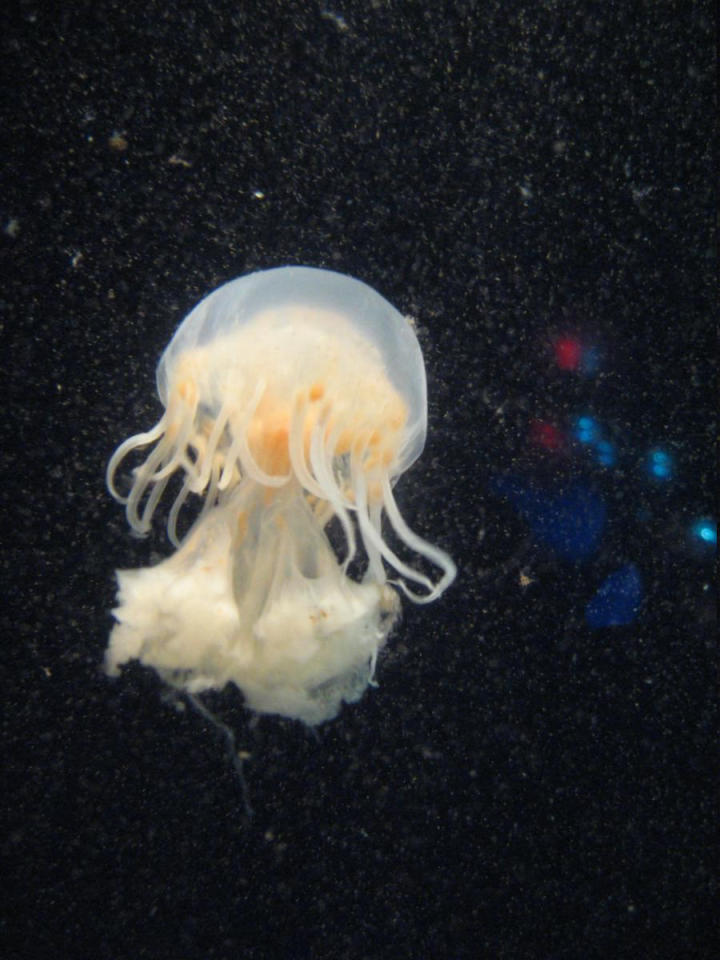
column 292, row 396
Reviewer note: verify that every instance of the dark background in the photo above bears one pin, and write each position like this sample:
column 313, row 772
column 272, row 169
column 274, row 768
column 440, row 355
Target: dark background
column 519, row 785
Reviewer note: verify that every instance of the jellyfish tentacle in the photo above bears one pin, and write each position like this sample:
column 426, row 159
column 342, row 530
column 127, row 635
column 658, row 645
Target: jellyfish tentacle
column 132, row 443
column 238, row 431
column 332, row 493
column 375, row 570
column 207, row 458
column 178, row 504
column 178, row 446
column 142, row 479
column 372, row 535
column 437, row 556
column 195, row 451
column 211, row 496
column 152, row 502
column 296, row 446
column 231, row 460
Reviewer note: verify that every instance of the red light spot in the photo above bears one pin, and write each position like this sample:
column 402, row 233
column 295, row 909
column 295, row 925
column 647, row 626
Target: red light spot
column 545, row 435
column 568, row 353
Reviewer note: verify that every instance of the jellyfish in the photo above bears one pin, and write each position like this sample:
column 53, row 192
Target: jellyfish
column 293, row 397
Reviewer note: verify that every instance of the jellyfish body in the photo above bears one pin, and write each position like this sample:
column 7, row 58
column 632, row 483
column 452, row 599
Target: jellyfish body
column 292, row 396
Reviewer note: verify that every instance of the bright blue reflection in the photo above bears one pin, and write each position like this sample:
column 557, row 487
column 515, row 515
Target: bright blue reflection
column 705, row 530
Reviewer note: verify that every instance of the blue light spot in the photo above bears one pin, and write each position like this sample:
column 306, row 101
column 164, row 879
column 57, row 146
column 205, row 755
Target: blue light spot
column 660, row 464
column 586, row 429
column 605, row 453
column 705, row 530
column 617, row 600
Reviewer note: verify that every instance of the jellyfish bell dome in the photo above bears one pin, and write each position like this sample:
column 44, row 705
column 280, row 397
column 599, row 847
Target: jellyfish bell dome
column 315, row 321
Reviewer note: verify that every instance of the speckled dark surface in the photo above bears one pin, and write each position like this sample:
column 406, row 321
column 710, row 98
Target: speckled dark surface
column 519, row 785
